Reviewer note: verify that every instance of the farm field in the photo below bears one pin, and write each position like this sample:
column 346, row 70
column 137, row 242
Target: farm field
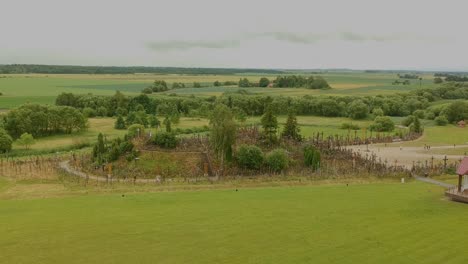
column 18, row 89
column 410, row 223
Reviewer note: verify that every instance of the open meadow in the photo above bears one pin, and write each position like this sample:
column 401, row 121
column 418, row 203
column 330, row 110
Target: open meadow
column 18, row 89
column 364, row 223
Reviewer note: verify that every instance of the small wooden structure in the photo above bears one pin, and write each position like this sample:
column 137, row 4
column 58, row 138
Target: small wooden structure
column 460, row 192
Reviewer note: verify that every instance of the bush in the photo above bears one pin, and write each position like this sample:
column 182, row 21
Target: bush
column 457, row 111
column 5, row 141
column 350, row 126
column 119, row 123
column 89, row 112
column 430, row 115
column 25, row 140
column 382, row 124
column 147, row 90
column 250, row 156
column 378, row 112
column 165, row 139
column 441, row 120
column 136, row 130
column 408, row 121
column 101, row 111
column 312, row 157
column 419, row 114
column 357, row 109
column 277, row 160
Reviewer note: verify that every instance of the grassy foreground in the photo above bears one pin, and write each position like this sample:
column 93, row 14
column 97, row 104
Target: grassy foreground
column 373, row 223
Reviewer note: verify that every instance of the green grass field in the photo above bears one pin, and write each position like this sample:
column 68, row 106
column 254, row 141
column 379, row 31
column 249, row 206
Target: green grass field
column 310, row 125
column 40, row 88
column 441, row 135
column 368, row 223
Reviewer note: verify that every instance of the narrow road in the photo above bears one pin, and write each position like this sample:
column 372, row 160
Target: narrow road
column 65, row 165
column 405, row 156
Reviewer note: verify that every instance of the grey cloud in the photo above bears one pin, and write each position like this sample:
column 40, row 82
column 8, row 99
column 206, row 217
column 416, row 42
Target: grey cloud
column 295, row 37
column 290, row 37
column 186, row 45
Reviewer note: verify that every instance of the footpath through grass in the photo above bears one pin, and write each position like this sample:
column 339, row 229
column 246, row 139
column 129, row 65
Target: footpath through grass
column 373, row 223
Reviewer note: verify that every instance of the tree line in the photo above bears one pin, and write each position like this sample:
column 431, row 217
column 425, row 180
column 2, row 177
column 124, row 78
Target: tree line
column 73, row 69
column 244, row 104
column 42, row 120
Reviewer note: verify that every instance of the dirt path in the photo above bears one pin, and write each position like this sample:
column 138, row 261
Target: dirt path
column 432, row 181
column 405, row 156
column 65, row 165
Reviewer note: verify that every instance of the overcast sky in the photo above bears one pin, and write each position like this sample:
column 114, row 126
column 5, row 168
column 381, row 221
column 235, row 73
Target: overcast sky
column 358, row 34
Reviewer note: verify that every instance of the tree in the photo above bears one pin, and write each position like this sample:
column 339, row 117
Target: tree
column 26, row 140
column 441, row 120
column 264, row 82
column 167, row 123
column 416, row 126
column 136, row 130
column 438, row 80
column 244, row 82
column 154, row 121
column 223, row 132
column 119, row 123
column 291, row 128
column 457, row 111
column 378, row 112
column 270, row 125
column 382, row 124
column 5, row 141
column 358, row 109
column 216, row 84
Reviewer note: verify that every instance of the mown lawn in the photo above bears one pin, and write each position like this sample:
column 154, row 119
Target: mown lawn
column 373, row 223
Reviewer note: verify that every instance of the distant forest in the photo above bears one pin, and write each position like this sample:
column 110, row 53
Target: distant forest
column 69, row 69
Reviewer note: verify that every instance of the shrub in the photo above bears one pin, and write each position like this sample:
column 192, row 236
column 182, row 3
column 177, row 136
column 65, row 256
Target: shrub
column 165, row 139
column 419, row 114
column 136, row 130
column 147, row 90
column 119, row 123
column 250, row 156
column 101, row 111
column 441, row 120
column 357, row 109
column 312, row 157
column 5, row 141
column 89, row 112
column 408, row 121
column 430, row 115
column 350, row 126
column 457, row 111
column 378, row 112
column 416, row 127
column 25, row 140
column 382, row 124
column 277, row 160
